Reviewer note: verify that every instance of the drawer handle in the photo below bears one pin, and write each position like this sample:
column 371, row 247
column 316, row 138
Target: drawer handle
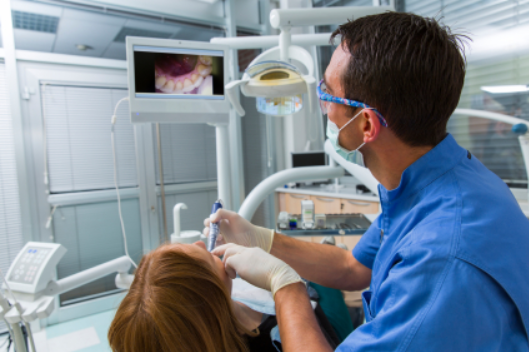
column 297, row 197
column 360, row 204
column 328, row 200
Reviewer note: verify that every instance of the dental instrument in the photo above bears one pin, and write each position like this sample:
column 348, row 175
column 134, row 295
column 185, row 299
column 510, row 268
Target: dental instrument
column 214, row 228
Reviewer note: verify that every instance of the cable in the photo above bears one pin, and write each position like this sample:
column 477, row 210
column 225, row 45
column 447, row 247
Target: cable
column 10, row 332
column 44, row 139
column 20, row 311
column 112, row 137
column 50, row 218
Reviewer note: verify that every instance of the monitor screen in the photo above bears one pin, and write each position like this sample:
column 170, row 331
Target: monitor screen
column 178, row 73
column 309, row 159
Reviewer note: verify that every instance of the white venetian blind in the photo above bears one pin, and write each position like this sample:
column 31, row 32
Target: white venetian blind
column 79, row 150
column 498, row 55
column 188, row 153
column 10, row 223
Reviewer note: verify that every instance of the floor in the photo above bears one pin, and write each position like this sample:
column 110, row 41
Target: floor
column 88, row 334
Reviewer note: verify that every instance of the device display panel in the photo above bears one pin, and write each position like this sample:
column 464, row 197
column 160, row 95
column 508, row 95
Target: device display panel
column 26, row 268
column 309, row 159
column 178, row 73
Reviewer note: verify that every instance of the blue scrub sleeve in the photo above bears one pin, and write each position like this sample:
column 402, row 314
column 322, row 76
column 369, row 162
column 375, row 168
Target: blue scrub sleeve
column 366, row 249
column 401, row 302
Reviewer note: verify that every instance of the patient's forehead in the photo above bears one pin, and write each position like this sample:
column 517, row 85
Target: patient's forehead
column 195, row 250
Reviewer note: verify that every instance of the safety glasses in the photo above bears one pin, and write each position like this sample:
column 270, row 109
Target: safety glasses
column 326, row 99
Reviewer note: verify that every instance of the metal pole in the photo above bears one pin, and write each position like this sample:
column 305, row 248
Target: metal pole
column 235, row 190
column 162, row 189
column 223, row 164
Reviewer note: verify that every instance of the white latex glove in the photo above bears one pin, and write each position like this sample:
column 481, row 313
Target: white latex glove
column 236, row 229
column 259, row 268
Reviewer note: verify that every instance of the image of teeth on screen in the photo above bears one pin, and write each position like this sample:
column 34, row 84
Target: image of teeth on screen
column 179, row 74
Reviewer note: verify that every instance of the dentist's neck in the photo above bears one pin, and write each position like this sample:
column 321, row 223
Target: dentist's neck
column 387, row 157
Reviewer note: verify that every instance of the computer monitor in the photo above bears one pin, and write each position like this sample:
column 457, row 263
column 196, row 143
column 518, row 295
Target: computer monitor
column 177, row 81
column 312, row 158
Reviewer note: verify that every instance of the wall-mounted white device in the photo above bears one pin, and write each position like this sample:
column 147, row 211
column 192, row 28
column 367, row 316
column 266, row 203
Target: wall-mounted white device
column 34, row 266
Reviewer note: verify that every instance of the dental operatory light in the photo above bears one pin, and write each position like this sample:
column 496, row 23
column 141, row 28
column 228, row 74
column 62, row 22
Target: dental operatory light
column 506, row 89
column 271, row 82
column 278, row 86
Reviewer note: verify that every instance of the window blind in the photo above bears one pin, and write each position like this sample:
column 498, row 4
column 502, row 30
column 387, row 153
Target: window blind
column 496, row 56
column 79, row 151
column 92, row 235
column 10, row 222
column 188, row 153
column 79, row 155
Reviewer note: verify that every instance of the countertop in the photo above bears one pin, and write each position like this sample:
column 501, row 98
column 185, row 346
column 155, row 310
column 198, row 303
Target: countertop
column 347, row 192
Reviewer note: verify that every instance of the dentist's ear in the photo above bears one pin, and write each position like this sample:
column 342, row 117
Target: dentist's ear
column 372, row 125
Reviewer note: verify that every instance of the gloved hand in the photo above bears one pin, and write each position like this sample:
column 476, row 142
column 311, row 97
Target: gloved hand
column 235, row 229
column 259, row 268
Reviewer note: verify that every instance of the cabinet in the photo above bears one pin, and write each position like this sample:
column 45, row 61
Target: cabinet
column 324, row 205
column 352, row 206
column 293, row 202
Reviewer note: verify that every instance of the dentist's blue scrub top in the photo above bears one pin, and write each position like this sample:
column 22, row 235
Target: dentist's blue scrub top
column 450, row 261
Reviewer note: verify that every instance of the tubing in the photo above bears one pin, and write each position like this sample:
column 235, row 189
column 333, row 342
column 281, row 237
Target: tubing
column 121, row 264
column 268, row 41
column 322, row 16
column 269, row 184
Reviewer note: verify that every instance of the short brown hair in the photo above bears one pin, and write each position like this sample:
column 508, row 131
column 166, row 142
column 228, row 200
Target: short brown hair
column 176, row 303
column 409, row 68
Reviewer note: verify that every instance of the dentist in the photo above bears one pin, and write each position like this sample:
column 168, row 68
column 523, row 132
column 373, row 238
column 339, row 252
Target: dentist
column 447, row 261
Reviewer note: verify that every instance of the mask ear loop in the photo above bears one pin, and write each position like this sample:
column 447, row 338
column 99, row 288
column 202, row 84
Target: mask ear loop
column 351, row 120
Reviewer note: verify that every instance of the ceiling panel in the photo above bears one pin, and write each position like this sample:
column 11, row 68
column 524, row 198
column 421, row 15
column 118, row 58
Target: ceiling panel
column 96, row 35
column 152, row 26
column 192, row 33
column 188, row 9
column 32, row 40
column 115, row 51
column 94, row 18
column 34, row 7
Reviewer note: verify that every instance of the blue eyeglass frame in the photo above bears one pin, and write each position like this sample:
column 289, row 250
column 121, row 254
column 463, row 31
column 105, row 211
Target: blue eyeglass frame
column 331, row 98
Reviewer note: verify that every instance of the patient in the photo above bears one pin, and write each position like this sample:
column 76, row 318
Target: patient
column 180, row 301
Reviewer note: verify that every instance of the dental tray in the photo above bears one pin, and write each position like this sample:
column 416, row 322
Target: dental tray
column 335, row 224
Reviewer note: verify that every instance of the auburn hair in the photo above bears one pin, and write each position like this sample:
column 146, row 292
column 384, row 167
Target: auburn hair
column 176, row 303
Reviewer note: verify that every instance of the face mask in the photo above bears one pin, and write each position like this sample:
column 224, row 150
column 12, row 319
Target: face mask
column 333, row 132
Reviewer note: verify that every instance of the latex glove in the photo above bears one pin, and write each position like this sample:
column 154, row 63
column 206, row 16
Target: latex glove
column 236, row 229
column 259, row 268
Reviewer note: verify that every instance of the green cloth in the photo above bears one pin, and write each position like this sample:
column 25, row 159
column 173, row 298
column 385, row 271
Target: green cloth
column 333, row 305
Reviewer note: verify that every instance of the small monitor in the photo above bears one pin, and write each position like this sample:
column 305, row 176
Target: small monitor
column 177, row 81
column 312, row 158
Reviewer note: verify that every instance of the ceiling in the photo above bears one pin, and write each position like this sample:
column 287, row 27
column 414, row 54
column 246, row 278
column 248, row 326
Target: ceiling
column 57, row 29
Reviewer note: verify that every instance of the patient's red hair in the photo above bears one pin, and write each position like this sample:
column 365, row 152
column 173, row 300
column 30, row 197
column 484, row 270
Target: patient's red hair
column 176, row 303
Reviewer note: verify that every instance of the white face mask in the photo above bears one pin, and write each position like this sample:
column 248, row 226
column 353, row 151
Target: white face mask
column 333, row 133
